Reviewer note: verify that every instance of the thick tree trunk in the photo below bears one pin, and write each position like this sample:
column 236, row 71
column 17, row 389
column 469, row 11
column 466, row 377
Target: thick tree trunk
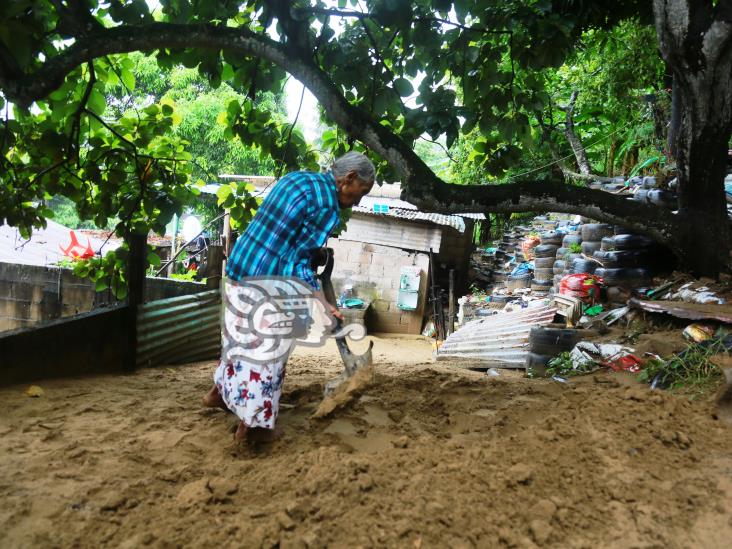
column 574, row 141
column 695, row 40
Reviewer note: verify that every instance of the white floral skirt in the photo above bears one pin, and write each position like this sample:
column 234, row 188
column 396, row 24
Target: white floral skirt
column 251, row 391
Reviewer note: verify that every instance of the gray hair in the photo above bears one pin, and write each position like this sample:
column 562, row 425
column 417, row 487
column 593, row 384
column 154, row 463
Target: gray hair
column 357, row 162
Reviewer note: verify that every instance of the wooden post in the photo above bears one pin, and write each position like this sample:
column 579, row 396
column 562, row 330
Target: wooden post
column 171, row 267
column 214, row 265
column 228, row 244
column 136, row 288
column 451, row 303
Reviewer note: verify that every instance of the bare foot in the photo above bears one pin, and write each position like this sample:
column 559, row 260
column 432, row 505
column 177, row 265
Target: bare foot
column 213, row 399
column 255, row 434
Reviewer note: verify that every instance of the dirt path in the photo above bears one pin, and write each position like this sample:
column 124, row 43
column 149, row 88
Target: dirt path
column 429, row 455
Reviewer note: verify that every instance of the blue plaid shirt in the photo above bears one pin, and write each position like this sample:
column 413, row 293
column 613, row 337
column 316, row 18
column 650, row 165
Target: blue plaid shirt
column 297, row 217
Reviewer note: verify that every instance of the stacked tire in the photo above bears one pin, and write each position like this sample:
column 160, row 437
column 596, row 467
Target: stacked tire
column 544, row 344
column 628, row 262
column 544, row 258
column 565, row 256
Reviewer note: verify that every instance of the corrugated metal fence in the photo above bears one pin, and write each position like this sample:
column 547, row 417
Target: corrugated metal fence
column 179, row 329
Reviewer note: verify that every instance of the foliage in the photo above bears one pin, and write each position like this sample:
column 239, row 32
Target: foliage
column 188, row 276
column 693, row 369
column 562, row 365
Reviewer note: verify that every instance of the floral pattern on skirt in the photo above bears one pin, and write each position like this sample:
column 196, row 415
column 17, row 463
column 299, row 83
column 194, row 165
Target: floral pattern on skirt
column 251, row 391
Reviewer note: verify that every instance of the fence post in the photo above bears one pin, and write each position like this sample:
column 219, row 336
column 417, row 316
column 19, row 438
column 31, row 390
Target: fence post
column 136, row 289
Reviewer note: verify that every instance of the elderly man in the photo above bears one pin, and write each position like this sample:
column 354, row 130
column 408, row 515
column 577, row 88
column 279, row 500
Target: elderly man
column 292, row 224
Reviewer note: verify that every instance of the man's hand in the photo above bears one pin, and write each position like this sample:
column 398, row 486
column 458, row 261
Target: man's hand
column 332, row 309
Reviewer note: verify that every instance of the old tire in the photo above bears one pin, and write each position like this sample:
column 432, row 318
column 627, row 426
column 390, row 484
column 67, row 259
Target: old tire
column 596, row 231
column 551, row 341
column 559, row 266
column 570, row 239
column 544, row 262
column 624, row 277
column 607, row 243
column 589, row 247
column 545, row 250
column 583, row 266
column 631, row 242
column 551, row 237
column 544, row 274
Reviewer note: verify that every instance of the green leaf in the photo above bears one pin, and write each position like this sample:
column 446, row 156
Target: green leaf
column 403, row 87
column 153, row 259
column 97, row 102
column 101, row 285
column 128, row 79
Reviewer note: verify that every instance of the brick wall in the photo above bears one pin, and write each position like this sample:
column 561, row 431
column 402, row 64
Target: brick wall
column 374, row 270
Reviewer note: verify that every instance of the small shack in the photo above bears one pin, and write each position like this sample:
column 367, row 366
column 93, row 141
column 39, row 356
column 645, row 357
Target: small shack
column 384, row 255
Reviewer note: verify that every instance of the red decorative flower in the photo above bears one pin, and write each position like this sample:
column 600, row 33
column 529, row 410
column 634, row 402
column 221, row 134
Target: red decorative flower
column 267, row 409
column 229, row 370
column 254, row 376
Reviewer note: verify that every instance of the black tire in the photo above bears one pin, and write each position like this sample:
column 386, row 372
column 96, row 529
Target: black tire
column 539, row 285
column 583, row 266
column 571, row 239
column 626, row 258
column 545, row 250
column 589, row 247
column 594, row 232
column 500, row 276
column 544, row 274
column 617, row 229
column 607, row 243
column 552, row 341
column 559, row 266
column 551, row 237
column 562, row 252
column 568, row 258
column 632, row 242
column 544, row 262
column 536, row 364
column 626, row 278
column 636, row 180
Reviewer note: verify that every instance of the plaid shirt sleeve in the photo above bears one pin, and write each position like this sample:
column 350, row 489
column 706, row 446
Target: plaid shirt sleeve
column 297, row 217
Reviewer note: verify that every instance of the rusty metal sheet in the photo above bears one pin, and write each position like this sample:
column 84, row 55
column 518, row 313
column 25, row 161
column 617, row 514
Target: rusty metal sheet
column 682, row 309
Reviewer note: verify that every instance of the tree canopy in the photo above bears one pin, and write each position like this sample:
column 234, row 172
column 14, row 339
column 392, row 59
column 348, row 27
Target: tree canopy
column 385, row 72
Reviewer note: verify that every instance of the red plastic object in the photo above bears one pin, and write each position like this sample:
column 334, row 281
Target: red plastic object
column 76, row 250
column 626, row 363
column 583, row 286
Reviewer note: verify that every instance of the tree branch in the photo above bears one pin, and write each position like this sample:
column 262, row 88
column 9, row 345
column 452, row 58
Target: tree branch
column 574, row 140
column 420, row 185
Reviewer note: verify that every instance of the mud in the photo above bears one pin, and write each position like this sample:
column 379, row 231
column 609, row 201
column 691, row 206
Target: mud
column 425, row 455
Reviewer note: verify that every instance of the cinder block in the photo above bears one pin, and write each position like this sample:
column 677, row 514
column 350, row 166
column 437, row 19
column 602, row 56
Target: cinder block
column 376, row 271
column 357, row 256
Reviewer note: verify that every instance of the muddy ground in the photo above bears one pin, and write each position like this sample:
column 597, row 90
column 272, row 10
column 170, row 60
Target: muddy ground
column 428, row 455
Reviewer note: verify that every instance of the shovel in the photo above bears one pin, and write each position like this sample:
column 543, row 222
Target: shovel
column 352, row 362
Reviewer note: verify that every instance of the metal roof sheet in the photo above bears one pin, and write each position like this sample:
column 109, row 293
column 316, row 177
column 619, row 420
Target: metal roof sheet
column 499, row 340
column 43, row 246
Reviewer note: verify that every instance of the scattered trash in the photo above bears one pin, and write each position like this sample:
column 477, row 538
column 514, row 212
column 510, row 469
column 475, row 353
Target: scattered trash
column 702, row 295
column 692, row 311
column 602, row 354
column 594, row 310
column 492, row 372
column 34, row 391
column 698, row 332
column 429, row 330
column 560, row 379
column 626, row 363
column 521, row 270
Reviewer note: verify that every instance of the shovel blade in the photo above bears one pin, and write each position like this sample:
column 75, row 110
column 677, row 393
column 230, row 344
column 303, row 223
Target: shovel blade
column 352, row 363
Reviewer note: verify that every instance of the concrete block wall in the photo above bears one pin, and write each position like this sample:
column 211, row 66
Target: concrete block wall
column 375, row 270
column 31, row 294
